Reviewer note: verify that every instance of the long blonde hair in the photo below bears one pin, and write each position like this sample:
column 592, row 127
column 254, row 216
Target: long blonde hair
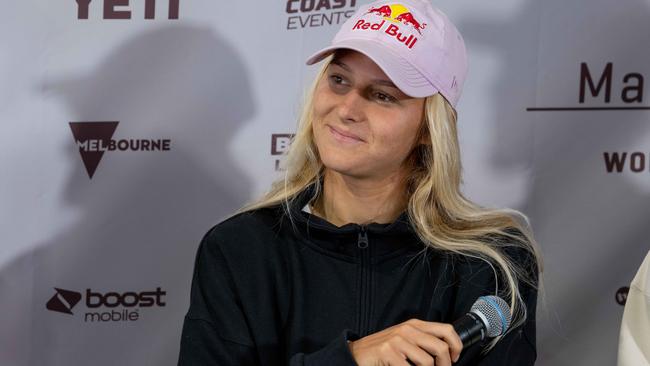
column 441, row 216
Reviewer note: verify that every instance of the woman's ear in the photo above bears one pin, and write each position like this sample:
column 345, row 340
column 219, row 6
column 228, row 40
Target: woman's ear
column 424, row 137
column 424, row 140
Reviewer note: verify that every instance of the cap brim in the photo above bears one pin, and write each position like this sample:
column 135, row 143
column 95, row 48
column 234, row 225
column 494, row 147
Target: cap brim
column 406, row 77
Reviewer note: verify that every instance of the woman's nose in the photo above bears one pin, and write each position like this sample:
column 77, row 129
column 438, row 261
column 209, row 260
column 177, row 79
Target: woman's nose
column 351, row 107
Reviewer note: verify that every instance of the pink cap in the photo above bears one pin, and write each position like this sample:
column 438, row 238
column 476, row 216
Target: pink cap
column 415, row 44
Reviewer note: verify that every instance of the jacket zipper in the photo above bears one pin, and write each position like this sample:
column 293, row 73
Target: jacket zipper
column 366, row 282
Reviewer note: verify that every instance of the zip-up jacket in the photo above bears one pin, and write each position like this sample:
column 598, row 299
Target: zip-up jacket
column 269, row 292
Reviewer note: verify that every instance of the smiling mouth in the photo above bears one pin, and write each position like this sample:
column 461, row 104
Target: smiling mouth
column 343, row 137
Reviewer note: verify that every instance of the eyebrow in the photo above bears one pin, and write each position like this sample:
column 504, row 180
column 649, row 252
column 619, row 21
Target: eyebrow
column 375, row 81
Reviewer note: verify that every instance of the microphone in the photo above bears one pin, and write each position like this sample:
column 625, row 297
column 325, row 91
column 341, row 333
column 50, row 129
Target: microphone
column 488, row 317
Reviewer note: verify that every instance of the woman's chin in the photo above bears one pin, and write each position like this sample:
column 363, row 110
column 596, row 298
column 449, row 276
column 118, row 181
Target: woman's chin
column 341, row 167
column 346, row 168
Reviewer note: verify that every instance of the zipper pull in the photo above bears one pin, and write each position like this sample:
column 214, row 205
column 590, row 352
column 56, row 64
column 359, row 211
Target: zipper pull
column 362, row 242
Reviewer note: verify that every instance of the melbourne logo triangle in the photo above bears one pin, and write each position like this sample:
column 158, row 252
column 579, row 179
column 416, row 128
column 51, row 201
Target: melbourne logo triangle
column 63, row 301
column 92, row 138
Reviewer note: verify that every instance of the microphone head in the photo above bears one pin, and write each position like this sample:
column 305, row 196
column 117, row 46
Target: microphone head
column 494, row 312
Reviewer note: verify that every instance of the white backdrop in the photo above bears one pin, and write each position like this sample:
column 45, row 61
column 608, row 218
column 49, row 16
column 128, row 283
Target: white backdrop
column 97, row 270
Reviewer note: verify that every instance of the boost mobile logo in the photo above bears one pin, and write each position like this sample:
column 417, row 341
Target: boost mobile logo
column 95, row 138
column 280, row 143
column 63, row 301
column 129, row 304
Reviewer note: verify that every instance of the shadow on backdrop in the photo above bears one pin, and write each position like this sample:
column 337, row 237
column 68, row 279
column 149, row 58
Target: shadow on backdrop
column 573, row 209
column 143, row 213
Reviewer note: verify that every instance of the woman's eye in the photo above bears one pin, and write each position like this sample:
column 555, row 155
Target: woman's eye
column 336, row 79
column 385, row 97
column 338, row 84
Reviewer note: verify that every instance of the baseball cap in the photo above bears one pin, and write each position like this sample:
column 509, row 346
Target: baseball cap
column 414, row 43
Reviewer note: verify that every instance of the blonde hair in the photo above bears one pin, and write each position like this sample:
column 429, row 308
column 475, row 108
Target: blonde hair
column 441, row 216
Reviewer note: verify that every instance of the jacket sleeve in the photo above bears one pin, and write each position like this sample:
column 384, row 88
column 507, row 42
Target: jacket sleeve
column 215, row 331
column 337, row 352
column 518, row 346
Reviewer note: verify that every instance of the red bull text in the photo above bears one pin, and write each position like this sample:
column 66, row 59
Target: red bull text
column 392, row 30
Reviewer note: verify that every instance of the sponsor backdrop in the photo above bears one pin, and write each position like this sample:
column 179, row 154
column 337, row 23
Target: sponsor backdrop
column 129, row 127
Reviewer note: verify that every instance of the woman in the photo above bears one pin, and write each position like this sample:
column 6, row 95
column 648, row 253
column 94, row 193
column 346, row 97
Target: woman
column 366, row 251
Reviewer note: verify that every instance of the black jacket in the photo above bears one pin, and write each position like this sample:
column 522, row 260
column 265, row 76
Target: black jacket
column 265, row 292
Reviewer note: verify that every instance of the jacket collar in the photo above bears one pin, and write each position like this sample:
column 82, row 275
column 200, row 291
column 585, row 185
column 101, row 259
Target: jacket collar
column 382, row 238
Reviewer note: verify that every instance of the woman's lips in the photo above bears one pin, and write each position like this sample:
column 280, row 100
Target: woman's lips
column 344, row 136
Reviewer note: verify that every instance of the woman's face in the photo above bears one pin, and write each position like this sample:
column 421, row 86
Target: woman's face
column 364, row 126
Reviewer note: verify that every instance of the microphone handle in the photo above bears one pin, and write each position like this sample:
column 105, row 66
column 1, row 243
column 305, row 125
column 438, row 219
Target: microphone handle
column 470, row 329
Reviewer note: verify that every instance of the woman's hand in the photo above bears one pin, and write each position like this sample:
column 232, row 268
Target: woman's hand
column 419, row 341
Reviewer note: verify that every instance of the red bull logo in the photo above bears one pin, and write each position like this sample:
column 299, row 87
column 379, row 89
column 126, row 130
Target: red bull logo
column 383, row 11
column 398, row 13
column 396, row 21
